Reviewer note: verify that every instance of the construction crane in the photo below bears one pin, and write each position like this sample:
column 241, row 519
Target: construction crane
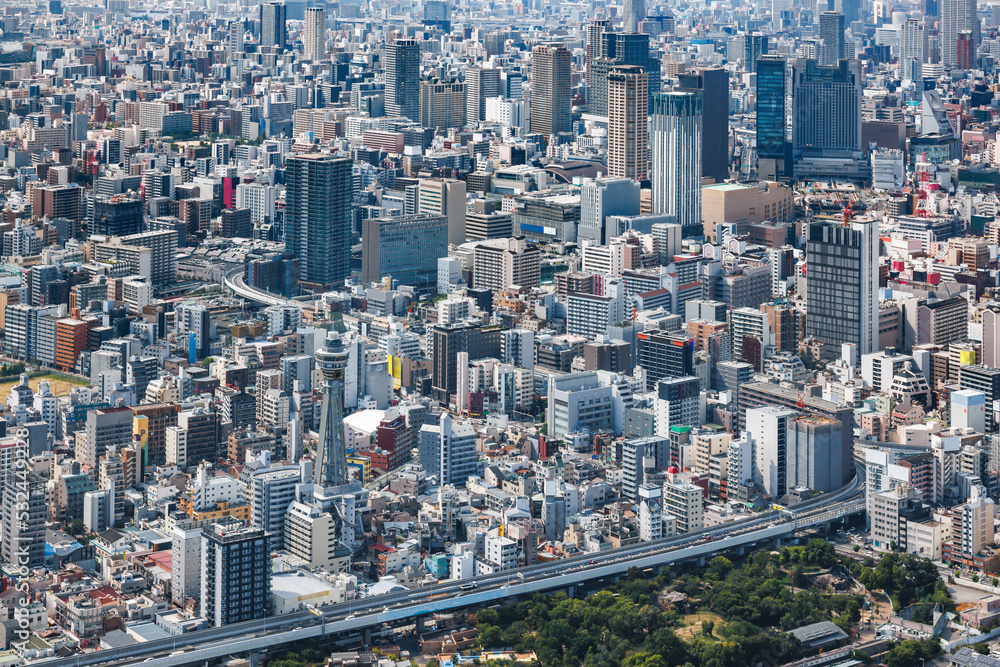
column 849, row 211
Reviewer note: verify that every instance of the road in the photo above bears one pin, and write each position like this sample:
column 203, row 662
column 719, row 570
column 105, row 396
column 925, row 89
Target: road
column 236, row 283
column 358, row 615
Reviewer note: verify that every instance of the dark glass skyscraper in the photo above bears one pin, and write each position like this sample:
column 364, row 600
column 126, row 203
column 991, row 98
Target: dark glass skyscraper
column 616, row 49
column 771, row 117
column 713, row 84
column 318, row 217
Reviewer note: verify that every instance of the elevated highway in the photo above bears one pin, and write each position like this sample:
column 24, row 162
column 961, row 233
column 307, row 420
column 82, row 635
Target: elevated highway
column 362, row 615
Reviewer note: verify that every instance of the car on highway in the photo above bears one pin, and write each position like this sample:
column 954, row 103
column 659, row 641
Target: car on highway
column 468, row 587
column 593, row 562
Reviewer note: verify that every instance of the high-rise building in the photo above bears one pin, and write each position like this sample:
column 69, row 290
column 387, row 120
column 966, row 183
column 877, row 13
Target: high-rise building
column 635, row 13
column 675, row 144
column 754, row 46
column 826, row 107
column 595, row 31
column 185, row 561
column 964, row 50
column 314, row 39
column 442, row 103
column 771, row 117
column 842, row 284
column 331, row 457
column 449, row 449
column 504, row 262
column 831, row 32
column 235, row 574
column 404, row 247
column 24, row 513
column 272, row 25
column 713, row 85
column 986, row 381
column 912, row 49
column 443, row 196
column 956, row 16
column 551, row 89
column 234, row 43
column 271, row 491
column 480, row 84
column 318, row 218
column 402, row 79
column 116, row 216
column 620, row 48
column 664, row 355
column 628, row 138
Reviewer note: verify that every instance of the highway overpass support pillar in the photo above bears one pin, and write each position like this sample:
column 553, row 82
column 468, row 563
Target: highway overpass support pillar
column 254, row 658
column 420, row 622
column 366, row 636
column 570, row 590
column 741, row 550
column 701, row 561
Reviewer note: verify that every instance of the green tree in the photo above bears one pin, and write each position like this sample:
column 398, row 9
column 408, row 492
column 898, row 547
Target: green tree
column 645, row 659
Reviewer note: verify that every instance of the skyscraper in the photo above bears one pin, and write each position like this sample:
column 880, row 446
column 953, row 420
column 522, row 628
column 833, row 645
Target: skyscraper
column 402, row 79
column 713, row 84
column 235, row 574
column 551, row 89
column 635, row 12
column 754, row 46
column 771, row 143
column 314, row 39
column 628, row 140
column 912, row 50
column 675, row 144
column 331, row 457
column 831, row 32
column 318, row 203
column 479, row 84
column 235, row 43
column 442, row 103
column 956, row 16
column 620, row 48
column 842, row 284
column 827, row 107
column 593, row 48
column 272, row 25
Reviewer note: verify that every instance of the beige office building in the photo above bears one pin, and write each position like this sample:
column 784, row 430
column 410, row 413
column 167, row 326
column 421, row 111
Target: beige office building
column 744, row 205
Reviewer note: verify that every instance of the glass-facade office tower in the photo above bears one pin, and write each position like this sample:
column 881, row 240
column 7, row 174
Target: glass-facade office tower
column 713, row 85
column 771, row 95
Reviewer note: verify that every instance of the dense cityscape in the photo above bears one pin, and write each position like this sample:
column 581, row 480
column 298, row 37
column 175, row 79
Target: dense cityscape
column 398, row 334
